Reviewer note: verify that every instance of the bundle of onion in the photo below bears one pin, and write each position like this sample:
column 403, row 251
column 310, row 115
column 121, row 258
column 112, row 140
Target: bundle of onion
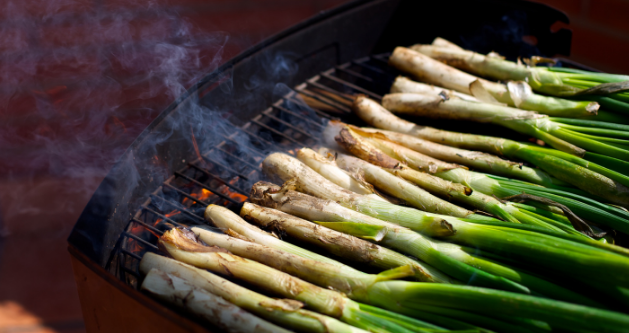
column 514, row 93
column 328, row 304
column 390, row 156
column 546, row 252
column 575, row 140
column 392, row 296
column 609, row 90
column 608, row 181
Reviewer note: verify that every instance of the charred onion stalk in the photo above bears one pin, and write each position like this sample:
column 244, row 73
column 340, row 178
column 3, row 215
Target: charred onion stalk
column 474, row 159
column 402, row 189
column 515, row 93
column 339, row 277
column 287, row 167
column 320, row 209
column 571, row 140
column 325, row 301
column 285, row 312
column 442, row 255
column 543, row 251
column 340, row 244
column 388, row 155
column 588, row 176
column 320, row 273
column 606, row 89
column 405, row 85
column 354, row 248
column 208, row 306
column 503, row 190
column 339, row 177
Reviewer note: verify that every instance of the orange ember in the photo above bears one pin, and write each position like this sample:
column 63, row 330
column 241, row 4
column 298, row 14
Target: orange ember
column 236, row 196
column 202, row 196
column 173, row 213
column 194, row 143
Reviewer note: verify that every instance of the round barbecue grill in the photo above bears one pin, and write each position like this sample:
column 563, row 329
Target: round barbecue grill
column 206, row 148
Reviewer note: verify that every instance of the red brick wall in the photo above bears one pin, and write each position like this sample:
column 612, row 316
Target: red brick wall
column 75, row 74
column 600, row 32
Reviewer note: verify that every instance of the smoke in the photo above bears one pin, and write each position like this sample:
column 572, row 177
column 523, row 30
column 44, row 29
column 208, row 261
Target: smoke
column 78, row 83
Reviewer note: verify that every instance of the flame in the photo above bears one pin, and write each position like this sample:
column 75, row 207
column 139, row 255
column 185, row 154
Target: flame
column 236, row 196
column 201, row 197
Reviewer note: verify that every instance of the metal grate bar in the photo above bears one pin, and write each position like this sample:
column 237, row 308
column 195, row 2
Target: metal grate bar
column 283, row 109
column 131, row 271
column 218, row 178
column 325, row 100
column 267, row 142
column 352, row 73
column 180, row 208
column 287, row 124
column 130, row 254
column 246, row 147
column 144, row 224
column 351, row 85
column 330, row 90
column 213, row 190
column 124, row 233
column 318, row 111
column 225, row 167
column 163, row 217
column 238, row 158
column 257, row 122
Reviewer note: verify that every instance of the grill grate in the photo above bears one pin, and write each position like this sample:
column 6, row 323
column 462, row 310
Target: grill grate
column 224, row 174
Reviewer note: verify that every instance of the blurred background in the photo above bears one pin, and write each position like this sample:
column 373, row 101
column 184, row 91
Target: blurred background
column 80, row 79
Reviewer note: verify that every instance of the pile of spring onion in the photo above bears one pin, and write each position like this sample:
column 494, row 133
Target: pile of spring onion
column 414, row 229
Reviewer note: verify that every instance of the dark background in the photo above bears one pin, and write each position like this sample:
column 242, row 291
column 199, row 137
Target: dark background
column 80, row 79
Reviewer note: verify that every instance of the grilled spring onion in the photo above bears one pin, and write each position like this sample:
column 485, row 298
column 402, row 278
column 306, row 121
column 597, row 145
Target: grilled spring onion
column 515, row 93
column 368, row 227
column 390, row 157
column 572, row 140
column 285, row 312
column 562, row 82
column 338, row 243
column 335, row 175
column 542, row 251
column 339, row 277
column 590, row 177
column 355, row 286
column 405, row 85
column 473, row 159
column 259, row 236
column 324, row 301
column 317, row 209
column 290, row 167
column 212, row 308
column 355, row 249
column 502, row 187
